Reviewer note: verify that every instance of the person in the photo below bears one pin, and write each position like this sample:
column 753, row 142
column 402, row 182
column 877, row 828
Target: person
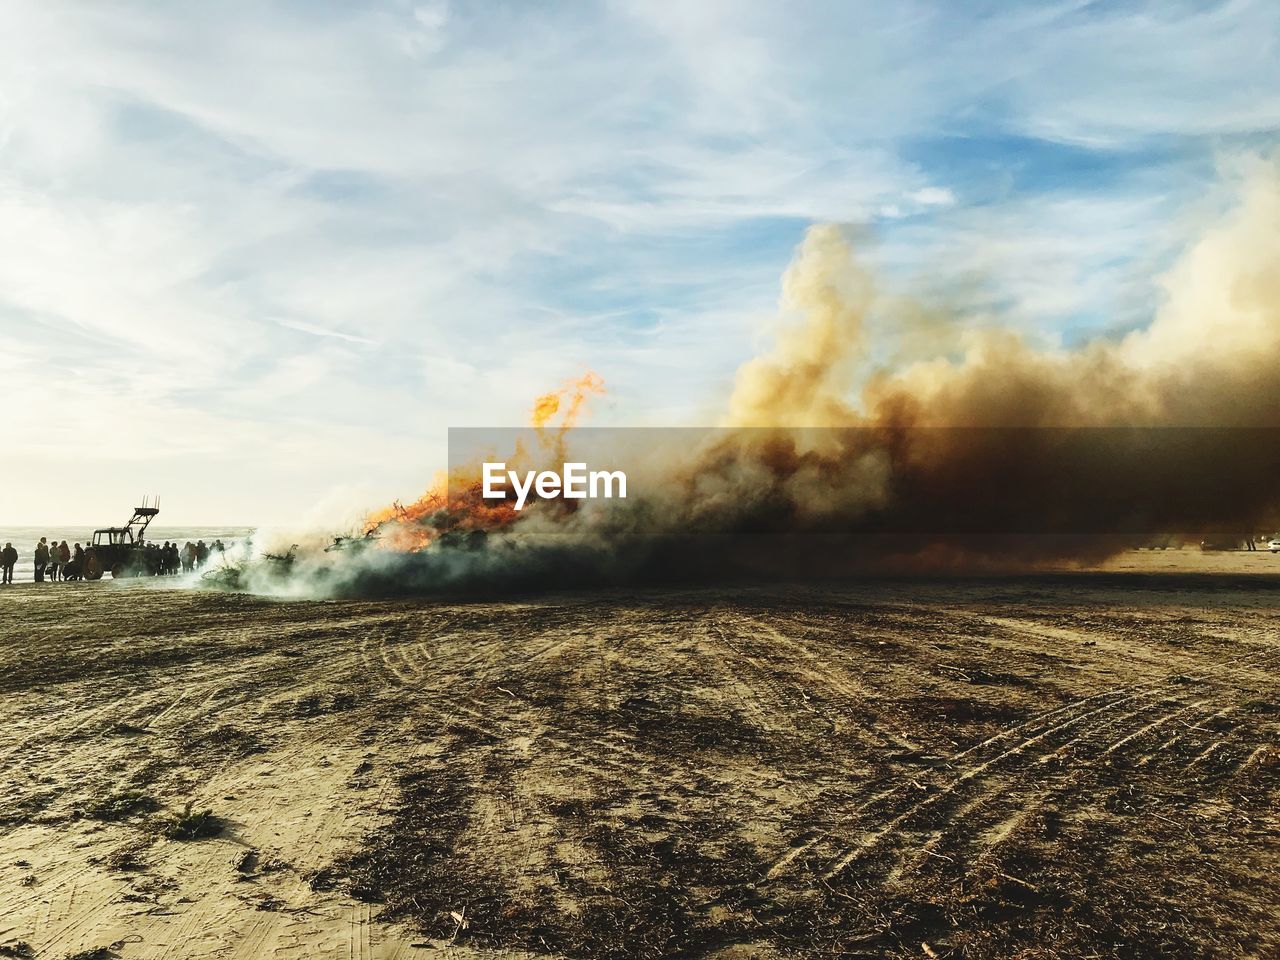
column 188, row 557
column 51, row 570
column 8, row 557
column 64, row 558
column 202, row 553
column 42, row 559
column 77, row 563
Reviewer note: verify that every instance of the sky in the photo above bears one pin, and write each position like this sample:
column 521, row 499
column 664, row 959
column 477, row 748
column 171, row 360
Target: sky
column 257, row 257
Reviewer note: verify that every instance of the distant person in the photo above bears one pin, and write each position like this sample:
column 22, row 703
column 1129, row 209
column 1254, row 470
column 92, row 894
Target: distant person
column 188, row 557
column 202, row 553
column 175, row 561
column 51, row 569
column 42, row 559
column 8, row 557
column 64, row 558
column 218, row 546
column 77, row 563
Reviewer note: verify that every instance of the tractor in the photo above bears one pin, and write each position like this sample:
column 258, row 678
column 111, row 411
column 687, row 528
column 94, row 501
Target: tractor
column 120, row 549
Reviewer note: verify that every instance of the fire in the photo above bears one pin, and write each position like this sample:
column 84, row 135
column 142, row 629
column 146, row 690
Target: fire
column 571, row 398
column 544, row 408
column 453, row 505
column 577, row 392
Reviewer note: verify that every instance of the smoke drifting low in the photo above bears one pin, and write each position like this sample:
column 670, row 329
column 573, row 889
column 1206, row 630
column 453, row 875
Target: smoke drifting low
column 831, row 462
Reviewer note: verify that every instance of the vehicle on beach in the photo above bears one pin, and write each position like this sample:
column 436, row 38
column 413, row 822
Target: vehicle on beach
column 120, row 549
column 1274, row 544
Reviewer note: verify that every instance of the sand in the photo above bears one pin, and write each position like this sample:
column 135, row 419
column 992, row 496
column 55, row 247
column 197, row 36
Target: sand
column 1036, row 766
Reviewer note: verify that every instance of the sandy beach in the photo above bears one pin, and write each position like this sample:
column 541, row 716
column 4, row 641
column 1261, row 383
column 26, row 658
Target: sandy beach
column 1059, row 764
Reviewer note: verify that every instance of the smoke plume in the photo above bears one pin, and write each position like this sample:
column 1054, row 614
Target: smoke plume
column 830, row 463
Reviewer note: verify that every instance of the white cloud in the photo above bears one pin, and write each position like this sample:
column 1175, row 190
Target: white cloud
column 300, row 240
column 934, row 197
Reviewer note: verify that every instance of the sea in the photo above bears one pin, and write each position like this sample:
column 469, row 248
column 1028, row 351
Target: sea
column 24, row 540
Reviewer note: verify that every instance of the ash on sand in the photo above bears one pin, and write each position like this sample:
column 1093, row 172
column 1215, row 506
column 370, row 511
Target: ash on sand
column 1047, row 766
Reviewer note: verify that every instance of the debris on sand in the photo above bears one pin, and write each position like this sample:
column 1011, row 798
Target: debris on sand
column 109, row 952
column 122, row 805
column 227, row 740
column 94, row 953
column 127, row 859
column 194, row 826
column 460, row 922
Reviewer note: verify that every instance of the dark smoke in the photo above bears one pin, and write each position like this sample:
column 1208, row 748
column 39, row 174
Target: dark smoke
column 1004, row 456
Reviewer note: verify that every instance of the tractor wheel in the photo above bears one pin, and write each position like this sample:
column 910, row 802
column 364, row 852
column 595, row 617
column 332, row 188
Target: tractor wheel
column 92, row 566
column 117, row 571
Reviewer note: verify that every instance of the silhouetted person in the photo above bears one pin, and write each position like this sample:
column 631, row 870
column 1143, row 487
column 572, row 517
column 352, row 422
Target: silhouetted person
column 51, row 571
column 188, row 557
column 202, row 553
column 42, row 559
column 77, row 563
column 64, row 558
column 8, row 557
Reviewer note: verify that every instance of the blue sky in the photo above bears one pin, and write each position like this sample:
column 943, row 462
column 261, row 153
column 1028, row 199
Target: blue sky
column 259, row 256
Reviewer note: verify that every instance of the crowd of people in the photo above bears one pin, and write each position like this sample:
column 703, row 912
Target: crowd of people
column 170, row 559
column 53, row 560
column 58, row 561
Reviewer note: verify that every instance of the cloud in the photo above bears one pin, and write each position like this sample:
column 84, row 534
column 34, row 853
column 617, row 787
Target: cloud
column 934, row 197
column 330, row 229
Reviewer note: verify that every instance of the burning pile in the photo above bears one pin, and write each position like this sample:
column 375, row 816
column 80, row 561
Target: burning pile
column 453, row 506
column 819, row 439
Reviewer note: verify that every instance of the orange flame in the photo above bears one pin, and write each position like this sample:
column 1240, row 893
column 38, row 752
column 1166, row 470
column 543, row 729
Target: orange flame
column 453, row 502
column 548, row 405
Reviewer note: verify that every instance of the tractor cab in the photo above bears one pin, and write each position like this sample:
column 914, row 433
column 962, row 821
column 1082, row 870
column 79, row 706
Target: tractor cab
column 113, row 536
